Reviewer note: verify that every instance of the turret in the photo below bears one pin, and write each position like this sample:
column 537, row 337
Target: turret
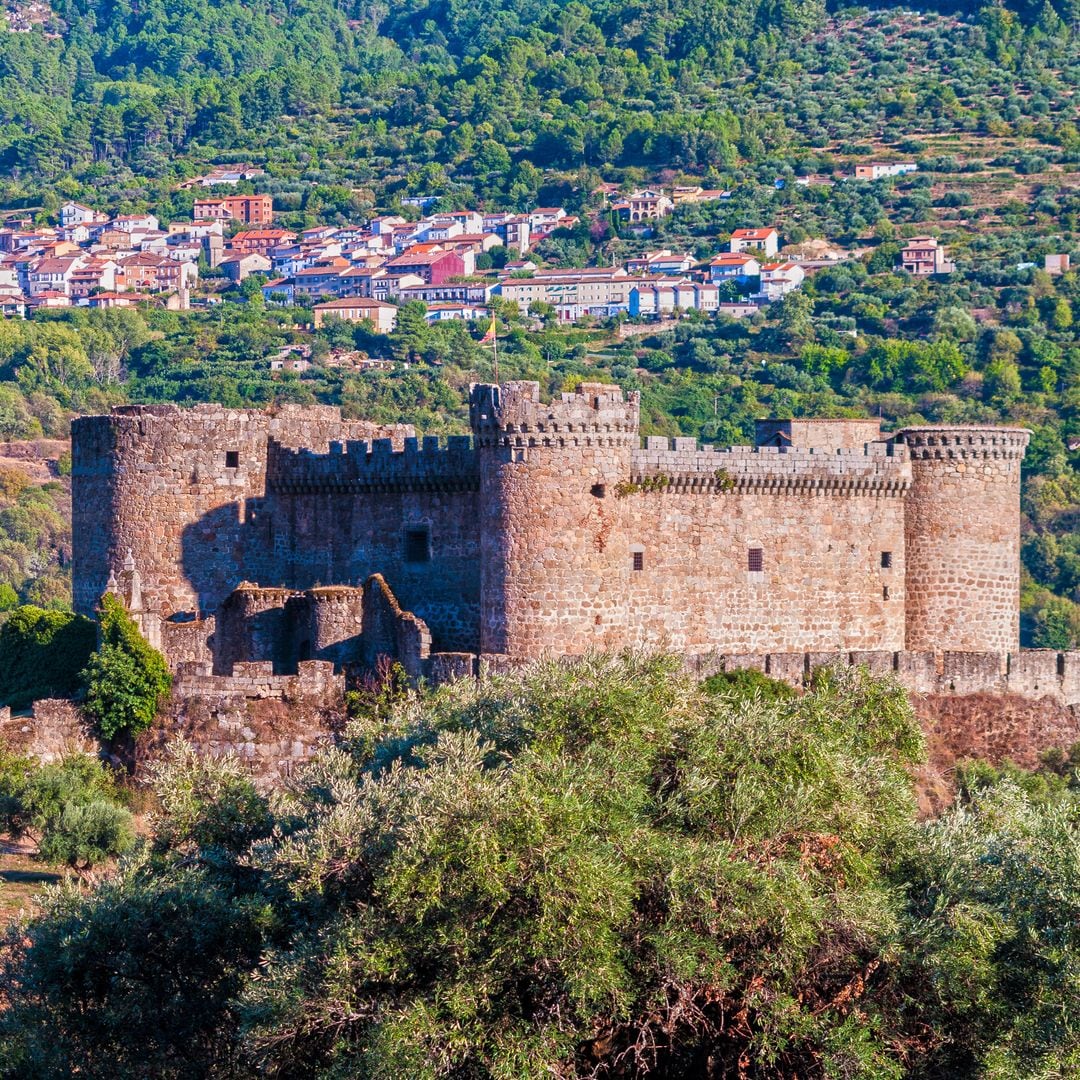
column 545, row 473
column 962, row 538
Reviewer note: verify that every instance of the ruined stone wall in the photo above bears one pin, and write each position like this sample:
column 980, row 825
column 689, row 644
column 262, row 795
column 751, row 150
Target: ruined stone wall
column 283, row 630
column 391, row 631
column 340, row 517
column 187, row 642
column 326, row 624
column 252, row 627
column 274, row 723
column 183, row 490
column 963, row 537
column 1027, row 673
column 55, row 728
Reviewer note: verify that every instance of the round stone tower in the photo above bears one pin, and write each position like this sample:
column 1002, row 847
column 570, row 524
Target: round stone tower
column 962, row 538
column 547, row 482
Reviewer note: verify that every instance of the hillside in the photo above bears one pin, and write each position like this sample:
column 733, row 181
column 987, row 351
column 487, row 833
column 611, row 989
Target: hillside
column 344, row 106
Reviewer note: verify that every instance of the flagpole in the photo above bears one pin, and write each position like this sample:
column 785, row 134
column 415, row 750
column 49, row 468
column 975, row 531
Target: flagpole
column 495, row 350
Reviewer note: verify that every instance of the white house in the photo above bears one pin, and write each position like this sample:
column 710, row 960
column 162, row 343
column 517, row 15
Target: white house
column 778, row 279
column 731, row 266
column 765, row 240
column 73, row 213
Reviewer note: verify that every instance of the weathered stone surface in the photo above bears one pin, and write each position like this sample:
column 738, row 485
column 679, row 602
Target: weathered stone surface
column 54, row 728
column 288, row 535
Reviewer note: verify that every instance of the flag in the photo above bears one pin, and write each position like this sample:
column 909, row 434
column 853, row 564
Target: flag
column 490, row 335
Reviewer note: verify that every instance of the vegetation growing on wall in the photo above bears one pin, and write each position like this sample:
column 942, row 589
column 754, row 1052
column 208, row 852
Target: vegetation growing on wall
column 42, row 654
column 126, row 678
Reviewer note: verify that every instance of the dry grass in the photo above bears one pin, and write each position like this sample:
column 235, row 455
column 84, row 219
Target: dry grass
column 23, row 877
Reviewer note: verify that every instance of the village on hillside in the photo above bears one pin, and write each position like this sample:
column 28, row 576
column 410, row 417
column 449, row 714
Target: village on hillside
column 454, row 263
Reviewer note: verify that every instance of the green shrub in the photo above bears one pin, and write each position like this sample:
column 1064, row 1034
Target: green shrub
column 126, row 679
column 85, row 834
column 205, row 802
column 595, row 868
column 72, row 807
column 137, row 978
column 42, row 653
column 748, row 683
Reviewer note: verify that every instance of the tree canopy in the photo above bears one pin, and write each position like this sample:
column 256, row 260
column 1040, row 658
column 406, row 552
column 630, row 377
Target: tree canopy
column 584, row 869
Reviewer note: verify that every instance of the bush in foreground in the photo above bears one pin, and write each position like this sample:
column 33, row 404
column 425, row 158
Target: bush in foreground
column 72, row 808
column 596, row 869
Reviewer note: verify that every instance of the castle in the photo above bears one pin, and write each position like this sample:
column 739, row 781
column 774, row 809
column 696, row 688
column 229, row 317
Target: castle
column 288, row 536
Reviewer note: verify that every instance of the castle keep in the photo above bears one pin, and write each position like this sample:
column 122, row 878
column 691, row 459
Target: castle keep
column 290, row 536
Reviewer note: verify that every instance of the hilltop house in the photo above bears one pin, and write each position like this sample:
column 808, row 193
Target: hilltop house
column 250, row 209
column 764, row 240
column 355, row 309
column 878, row 170
column 432, row 267
column 74, row 213
column 659, row 262
column 923, row 255
column 645, row 205
column 778, row 279
column 731, row 266
column 238, row 267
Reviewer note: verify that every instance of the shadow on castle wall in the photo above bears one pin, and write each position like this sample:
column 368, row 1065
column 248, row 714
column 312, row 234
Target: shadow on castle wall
column 219, row 550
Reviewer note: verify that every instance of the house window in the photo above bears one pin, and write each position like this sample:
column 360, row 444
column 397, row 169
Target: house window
column 755, row 560
column 232, row 459
column 886, row 560
column 417, row 544
column 639, row 560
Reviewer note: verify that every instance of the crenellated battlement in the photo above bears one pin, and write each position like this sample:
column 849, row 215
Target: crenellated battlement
column 551, row 529
column 360, row 465
column 512, row 415
column 681, row 465
column 961, row 442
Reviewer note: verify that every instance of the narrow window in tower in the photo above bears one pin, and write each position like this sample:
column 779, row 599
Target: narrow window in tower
column 232, row 459
column 886, row 560
column 639, row 560
column 755, row 560
column 417, row 544
column 885, row 592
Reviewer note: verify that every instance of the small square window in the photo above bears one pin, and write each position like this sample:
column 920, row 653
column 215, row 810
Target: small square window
column 755, row 560
column 232, row 459
column 886, row 560
column 417, row 545
column 639, row 560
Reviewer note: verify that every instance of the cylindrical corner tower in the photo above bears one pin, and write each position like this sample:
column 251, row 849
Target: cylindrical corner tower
column 548, row 475
column 962, row 538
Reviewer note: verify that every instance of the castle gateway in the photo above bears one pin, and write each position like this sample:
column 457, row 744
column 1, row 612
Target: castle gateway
column 292, row 534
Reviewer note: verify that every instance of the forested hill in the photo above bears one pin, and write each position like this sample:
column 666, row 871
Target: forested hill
column 116, row 99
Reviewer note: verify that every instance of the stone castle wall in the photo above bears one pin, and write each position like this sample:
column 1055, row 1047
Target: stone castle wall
column 340, row 517
column 183, row 490
column 551, row 531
